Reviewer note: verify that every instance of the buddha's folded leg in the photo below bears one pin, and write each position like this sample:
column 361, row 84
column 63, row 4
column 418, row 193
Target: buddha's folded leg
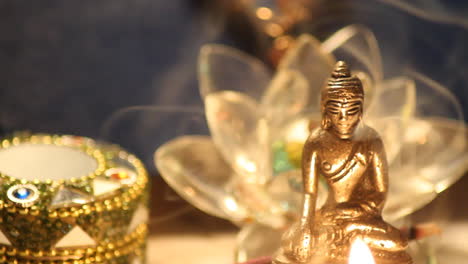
column 377, row 234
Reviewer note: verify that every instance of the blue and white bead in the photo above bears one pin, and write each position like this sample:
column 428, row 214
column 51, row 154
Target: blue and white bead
column 24, row 195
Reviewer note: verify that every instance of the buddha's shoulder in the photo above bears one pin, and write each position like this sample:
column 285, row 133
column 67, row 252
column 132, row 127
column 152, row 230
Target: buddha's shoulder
column 316, row 137
column 368, row 134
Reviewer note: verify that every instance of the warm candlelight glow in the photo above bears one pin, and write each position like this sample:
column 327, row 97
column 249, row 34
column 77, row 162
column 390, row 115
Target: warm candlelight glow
column 264, row 13
column 360, row 253
column 274, row 30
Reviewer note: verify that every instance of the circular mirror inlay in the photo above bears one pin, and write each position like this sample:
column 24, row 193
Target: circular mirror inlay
column 23, row 194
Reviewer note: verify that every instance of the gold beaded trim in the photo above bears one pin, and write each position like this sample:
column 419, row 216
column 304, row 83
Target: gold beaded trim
column 79, row 143
column 116, row 202
column 130, row 244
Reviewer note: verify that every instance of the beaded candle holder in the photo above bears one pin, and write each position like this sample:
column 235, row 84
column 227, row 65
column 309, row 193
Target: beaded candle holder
column 69, row 199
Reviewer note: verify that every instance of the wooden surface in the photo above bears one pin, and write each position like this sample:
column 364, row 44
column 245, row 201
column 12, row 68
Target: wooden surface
column 203, row 248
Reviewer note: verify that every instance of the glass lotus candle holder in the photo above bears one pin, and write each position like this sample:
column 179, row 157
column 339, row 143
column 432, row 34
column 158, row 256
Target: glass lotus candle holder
column 247, row 169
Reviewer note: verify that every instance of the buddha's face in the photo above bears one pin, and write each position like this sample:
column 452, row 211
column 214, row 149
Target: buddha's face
column 344, row 116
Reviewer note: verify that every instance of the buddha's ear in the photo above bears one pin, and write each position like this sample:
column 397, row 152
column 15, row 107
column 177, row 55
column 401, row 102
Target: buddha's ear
column 326, row 122
column 362, row 112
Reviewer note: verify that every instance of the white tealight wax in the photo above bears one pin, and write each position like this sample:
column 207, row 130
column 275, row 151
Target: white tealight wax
column 43, row 161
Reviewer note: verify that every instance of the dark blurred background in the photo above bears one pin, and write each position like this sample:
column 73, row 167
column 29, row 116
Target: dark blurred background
column 68, row 66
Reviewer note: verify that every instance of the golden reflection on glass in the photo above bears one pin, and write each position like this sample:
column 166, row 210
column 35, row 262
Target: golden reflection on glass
column 245, row 163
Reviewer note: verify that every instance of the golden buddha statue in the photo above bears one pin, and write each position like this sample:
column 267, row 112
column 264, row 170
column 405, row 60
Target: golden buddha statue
column 351, row 157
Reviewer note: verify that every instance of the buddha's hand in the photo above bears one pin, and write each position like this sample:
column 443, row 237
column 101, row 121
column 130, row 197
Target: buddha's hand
column 297, row 242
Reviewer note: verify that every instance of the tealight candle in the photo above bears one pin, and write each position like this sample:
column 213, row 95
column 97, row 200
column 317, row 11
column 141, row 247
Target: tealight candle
column 360, row 253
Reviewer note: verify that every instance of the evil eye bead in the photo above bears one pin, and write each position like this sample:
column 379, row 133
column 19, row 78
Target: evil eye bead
column 24, row 195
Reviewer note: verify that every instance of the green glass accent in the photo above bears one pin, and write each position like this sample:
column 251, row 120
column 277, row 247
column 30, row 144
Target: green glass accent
column 281, row 161
column 294, row 150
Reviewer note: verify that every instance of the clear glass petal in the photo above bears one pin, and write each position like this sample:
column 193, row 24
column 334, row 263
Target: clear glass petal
column 433, row 99
column 298, row 128
column 444, row 146
column 406, row 196
column 224, row 68
column 434, row 155
column 263, row 207
column 358, row 46
column 439, row 150
column 256, row 240
column 391, row 130
column 315, row 64
column 427, row 150
column 390, row 112
column 241, row 134
column 286, row 188
column 193, row 167
column 286, row 96
column 395, row 98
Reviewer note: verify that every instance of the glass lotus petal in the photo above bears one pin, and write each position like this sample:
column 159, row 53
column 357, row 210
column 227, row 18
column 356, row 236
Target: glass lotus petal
column 312, row 62
column 203, row 176
column 285, row 97
column 225, row 68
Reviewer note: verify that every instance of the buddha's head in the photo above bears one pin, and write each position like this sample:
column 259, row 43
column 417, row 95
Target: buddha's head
column 342, row 102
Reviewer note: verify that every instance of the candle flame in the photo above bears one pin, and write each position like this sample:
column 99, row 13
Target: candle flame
column 360, row 253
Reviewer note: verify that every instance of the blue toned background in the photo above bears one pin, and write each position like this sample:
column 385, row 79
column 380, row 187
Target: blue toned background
column 67, row 66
